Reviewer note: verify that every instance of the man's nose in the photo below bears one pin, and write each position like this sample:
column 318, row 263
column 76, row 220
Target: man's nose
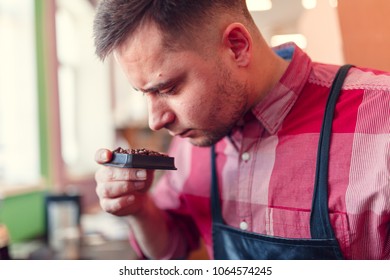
column 160, row 114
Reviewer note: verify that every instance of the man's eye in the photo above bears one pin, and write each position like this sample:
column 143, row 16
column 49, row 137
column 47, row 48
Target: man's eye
column 169, row 91
column 165, row 92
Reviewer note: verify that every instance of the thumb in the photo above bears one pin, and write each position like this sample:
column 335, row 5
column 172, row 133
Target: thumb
column 103, row 156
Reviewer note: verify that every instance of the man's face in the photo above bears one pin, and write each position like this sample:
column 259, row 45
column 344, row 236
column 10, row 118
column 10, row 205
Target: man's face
column 191, row 95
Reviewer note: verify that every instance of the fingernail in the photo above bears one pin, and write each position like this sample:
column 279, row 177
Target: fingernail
column 103, row 157
column 141, row 174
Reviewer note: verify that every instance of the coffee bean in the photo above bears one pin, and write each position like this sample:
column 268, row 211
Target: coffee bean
column 141, row 151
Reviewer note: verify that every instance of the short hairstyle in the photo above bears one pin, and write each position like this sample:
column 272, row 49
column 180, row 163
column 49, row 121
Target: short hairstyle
column 116, row 20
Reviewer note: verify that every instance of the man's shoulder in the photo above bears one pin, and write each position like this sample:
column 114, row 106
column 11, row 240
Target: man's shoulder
column 358, row 78
column 367, row 79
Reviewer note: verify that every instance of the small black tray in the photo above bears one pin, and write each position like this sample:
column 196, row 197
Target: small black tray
column 142, row 161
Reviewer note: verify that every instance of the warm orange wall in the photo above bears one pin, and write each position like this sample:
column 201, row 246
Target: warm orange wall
column 365, row 29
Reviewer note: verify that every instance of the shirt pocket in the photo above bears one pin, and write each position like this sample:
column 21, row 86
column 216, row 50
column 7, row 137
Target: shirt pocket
column 295, row 223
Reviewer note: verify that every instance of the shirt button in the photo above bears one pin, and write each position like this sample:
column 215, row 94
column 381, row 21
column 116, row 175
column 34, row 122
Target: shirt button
column 245, row 156
column 244, row 225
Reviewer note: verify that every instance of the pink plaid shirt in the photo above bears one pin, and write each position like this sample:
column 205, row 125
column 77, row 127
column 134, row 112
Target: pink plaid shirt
column 266, row 167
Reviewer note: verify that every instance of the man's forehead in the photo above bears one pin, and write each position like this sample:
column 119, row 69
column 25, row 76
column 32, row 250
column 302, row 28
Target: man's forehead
column 141, row 54
column 154, row 72
column 147, row 63
column 145, row 41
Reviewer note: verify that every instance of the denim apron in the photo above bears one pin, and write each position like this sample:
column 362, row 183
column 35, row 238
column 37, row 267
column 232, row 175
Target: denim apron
column 233, row 243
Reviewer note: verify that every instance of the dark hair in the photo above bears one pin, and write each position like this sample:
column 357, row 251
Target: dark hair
column 115, row 20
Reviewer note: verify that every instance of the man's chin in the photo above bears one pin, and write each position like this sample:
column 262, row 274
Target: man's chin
column 204, row 141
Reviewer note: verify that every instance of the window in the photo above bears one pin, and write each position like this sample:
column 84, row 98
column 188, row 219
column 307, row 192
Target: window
column 84, row 87
column 19, row 152
column 32, row 144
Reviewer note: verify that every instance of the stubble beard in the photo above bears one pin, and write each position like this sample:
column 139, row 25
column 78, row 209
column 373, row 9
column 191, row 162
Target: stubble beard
column 230, row 107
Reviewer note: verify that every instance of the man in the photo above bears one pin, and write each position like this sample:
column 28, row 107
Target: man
column 211, row 80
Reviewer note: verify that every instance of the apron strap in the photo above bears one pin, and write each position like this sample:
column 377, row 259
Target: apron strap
column 216, row 209
column 319, row 213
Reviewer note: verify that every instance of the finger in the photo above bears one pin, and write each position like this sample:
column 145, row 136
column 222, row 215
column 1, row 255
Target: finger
column 105, row 174
column 118, row 188
column 112, row 205
column 103, row 156
column 125, row 205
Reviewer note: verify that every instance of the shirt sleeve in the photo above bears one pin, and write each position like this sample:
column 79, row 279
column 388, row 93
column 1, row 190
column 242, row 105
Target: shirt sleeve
column 168, row 195
column 177, row 250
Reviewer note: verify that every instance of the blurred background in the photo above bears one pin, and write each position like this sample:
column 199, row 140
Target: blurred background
column 59, row 104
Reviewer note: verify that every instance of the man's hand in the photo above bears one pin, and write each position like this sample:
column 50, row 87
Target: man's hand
column 121, row 191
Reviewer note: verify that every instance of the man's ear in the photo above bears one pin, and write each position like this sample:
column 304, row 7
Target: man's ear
column 237, row 38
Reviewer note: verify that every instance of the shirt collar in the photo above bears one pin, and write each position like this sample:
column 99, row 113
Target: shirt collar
column 275, row 106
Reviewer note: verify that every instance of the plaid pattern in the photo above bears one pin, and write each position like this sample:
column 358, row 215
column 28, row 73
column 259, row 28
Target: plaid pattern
column 270, row 188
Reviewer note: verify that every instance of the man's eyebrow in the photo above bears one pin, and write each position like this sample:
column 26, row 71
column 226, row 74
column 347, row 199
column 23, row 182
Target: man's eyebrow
column 157, row 87
column 161, row 86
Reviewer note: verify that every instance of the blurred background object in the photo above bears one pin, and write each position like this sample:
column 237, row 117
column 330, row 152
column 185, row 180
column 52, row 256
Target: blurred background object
column 4, row 243
column 365, row 25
